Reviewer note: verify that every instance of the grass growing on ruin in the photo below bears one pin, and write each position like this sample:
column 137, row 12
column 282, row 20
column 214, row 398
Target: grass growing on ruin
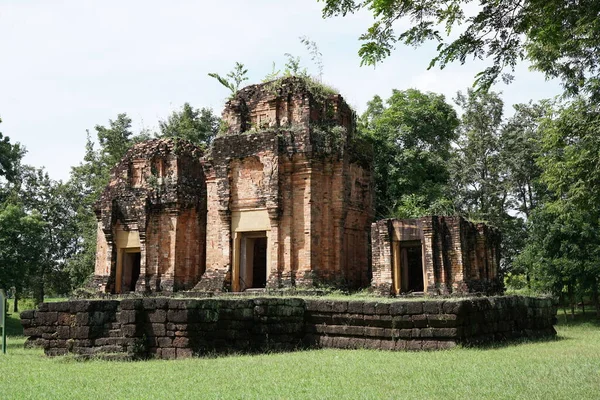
column 568, row 368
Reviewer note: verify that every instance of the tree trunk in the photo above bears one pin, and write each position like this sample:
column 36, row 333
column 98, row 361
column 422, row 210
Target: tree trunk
column 16, row 304
column 572, row 301
column 595, row 298
column 39, row 294
column 39, row 289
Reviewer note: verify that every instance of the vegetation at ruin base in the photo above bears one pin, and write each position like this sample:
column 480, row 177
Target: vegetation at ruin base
column 566, row 368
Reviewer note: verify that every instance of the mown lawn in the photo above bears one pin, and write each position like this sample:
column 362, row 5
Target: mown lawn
column 566, row 368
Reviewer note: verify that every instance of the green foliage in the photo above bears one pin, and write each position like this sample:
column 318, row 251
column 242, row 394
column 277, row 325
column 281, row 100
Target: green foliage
column 320, row 91
column 55, row 203
column 480, row 187
column 38, row 229
column 21, row 246
column 234, row 78
column 271, row 76
column 198, row 126
column 315, row 55
column 10, row 155
column 558, row 37
column 329, row 140
column 563, row 250
column 520, row 148
column 416, row 205
column 411, row 134
column 494, row 171
column 115, row 140
column 87, row 182
column 292, row 66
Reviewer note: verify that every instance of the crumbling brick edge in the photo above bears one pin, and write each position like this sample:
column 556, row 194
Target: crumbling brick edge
column 171, row 328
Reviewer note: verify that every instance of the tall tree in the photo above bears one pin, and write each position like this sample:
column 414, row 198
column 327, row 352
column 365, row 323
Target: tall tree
column 21, row 247
column 564, row 248
column 114, row 140
column 480, row 187
column 520, row 147
column 199, row 126
column 10, row 155
column 54, row 203
column 411, row 135
column 560, row 38
column 487, row 175
column 87, row 181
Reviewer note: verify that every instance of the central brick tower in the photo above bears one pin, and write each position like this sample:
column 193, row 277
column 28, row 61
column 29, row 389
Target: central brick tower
column 289, row 192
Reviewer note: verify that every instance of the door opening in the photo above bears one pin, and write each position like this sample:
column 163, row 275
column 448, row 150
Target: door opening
column 259, row 263
column 412, row 266
column 131, row 270
column 253, row 260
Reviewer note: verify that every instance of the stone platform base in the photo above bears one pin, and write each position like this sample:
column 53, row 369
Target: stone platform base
column 177, row 328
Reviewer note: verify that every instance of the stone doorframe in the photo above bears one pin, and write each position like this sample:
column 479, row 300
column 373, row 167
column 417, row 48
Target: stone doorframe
column 399, row 274
column 248, row 224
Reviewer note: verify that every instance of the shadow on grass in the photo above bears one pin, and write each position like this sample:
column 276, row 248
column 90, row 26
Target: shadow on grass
column 578, row 319
column 13, row 325
column 14, row 344
column 514, row 342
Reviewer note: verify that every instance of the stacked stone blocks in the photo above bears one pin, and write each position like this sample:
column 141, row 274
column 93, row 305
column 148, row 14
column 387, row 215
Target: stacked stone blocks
column 178, row 328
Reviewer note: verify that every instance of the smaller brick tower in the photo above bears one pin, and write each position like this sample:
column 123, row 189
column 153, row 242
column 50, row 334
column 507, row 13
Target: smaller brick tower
column 289, row 193
column 435, row 255
column 152, row 220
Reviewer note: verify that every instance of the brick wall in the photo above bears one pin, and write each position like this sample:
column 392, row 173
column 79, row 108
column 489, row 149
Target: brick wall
column 158, row 192
column 318, row 200
column 178, row 328
column 457, row 255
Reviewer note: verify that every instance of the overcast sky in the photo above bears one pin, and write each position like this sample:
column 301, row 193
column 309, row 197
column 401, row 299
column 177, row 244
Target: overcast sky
column 66, row 66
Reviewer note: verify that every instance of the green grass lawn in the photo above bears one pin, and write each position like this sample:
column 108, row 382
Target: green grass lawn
column 566, row 368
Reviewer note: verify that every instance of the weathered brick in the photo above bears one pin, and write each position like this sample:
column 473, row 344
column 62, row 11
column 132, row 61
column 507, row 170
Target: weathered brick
column 177, row 316
column 414, row 307
column 181, row 342
column 157, row 316
column 184, row 353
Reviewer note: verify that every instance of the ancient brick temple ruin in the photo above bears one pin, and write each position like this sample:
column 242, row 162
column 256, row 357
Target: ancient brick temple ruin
column 152, row 220
column 283, row 198
column 435, row 255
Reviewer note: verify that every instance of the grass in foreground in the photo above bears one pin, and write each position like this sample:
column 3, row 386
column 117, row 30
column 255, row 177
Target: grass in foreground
column 568, row 368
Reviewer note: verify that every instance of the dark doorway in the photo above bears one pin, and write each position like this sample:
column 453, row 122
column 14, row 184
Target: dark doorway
column 259, row 263
column 253, row 260
column 131, row 270
column 412, row 267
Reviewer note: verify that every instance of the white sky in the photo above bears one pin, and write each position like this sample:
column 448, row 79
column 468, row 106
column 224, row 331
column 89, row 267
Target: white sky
column 66, row 66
